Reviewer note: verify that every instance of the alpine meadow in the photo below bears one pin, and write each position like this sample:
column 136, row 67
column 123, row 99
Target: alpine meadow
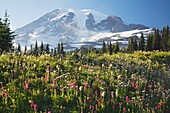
column 73, row 60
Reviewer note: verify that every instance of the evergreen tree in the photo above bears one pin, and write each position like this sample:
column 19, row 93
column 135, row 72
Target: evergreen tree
column 47, row 49
column 142, row 43
column 135, row 45
column 52, row 51
column 58, row 48
column 104, row 49
column 113, row 47
column 19, row 48
column 36, row 48
column 6, row 35
column 42, row 48
column 62, row 48
column 25, row 50
column 31, row 50
column 117, row 49
column 156, row 40
column 164, row 41
column 130, row 45
column 55, row 52
column 110, row 48
column 148, row 46
column 168, row 43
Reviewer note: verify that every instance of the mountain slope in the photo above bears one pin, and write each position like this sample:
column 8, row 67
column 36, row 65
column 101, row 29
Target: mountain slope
column 68, row 26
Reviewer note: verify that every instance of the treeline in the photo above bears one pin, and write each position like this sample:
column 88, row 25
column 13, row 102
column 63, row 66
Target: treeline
column 110, row 48
column 39, row 50
column 158, row 40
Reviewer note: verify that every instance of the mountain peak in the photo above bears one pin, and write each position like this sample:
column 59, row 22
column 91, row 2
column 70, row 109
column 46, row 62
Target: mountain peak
column 70, row 25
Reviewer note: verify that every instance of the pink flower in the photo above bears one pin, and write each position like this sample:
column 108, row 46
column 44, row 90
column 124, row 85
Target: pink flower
column 150, row 86
column 160, row 105
column 90, row 106
column 49, row 111
column 124, row 109
column 6, row 95
column 99, row 101
column 35, row 107
column 84, row 100
column 113, row 107
column 54, row 84
column 144, row 90
column 112, row 93
column 127, row 99
column 26, row 85
column 96, row 106
column 143, row 97
column 120, row 104
column 137, row 86
column 32, row 103
column 133, row 85
column 73, row 84
column 85, row 87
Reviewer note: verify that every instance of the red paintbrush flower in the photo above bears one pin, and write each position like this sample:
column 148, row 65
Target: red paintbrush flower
column 124, row 109
column 127, row 99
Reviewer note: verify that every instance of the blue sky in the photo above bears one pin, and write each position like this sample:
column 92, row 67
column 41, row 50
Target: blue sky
column 152, row 13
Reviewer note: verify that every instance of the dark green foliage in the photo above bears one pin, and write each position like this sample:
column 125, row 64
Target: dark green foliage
column 62, row 48
column 156, row 40
column 117, row 49
column 47, row 49
column 110, row 48
column 31, row 50
column 104, row 49
column 135, row 45
column 130, row 45
column 58, row 48
column 168, row 43
column 148, row 46
column 113, row 47
column 6, row 35
column 55, row 52
column 36, row 48
column 142, row 42
column 161, row 58
column 25, row 50
column 164, row 41
column 19, row 48
column 42, row 48
column 52, row 51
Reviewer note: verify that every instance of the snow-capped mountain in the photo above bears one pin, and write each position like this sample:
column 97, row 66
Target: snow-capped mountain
column 70, row 26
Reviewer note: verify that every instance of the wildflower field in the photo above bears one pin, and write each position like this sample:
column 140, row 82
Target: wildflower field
column 91, row 83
